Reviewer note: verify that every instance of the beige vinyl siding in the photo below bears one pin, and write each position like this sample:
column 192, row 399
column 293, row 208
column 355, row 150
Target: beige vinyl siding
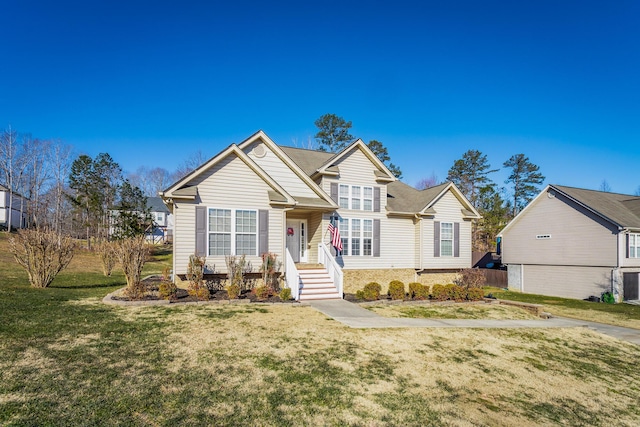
column 417, row 243
column 279, row 171
column 622, row 248
column 316, row 233
column 578, row 238
column 566, row 281
column 397, row 247
column 229, row 184
column 448, row 209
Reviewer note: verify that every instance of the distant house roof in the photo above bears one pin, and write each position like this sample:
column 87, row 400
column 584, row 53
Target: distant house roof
column 156, row 204
column 622, row 210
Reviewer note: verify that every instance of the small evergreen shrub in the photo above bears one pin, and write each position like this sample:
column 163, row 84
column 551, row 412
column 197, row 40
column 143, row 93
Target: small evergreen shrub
column 262, row 291
column 396, row 289
column 471, row 278
column 475, row 294
column 195, row 274
column 439, row 293
column 285, row 294
column 372, row 291
column 418, row 291
column 233, row 291
column 456, row 292
column 167, row 289
column 360, row 294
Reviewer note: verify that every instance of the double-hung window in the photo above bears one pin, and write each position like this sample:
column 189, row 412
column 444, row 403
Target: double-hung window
column 446, row 239
column 344, row 196
column 634, row 245
column 233, row 232
column 357, row 236
column 356, row 197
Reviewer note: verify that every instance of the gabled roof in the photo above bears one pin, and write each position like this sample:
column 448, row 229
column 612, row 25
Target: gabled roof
column 323, row 200
column 404, row 199
column 155, row 204
column 314, row 162
column 180, row 190
column 620, row 210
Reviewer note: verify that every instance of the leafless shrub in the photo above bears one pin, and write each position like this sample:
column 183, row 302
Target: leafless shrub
column 107, row 252
column 195, row 275
column 471, row 278
column 43, row 254
column 132, row 253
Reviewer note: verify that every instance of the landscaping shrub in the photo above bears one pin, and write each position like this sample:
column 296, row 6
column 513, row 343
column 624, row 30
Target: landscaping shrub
column 262, row 291
column 233, row 291
column 107, row 252
column 360, row 294
column 285, row 294
column 439, row 293
column 471, row 278
column 372, row 291
column 475, row 294
column 269, row 269
column 167, row 289
column 237, row 267
column 195, row 275
column 132, row 254
column 43, row 254
column 456, row 292
column 418, row 291
column 396, row 289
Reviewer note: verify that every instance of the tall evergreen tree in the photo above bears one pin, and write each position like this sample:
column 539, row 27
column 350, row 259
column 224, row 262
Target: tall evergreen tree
column 470, row 174
column 525, row 177
column 333, row 133
column 381, row 152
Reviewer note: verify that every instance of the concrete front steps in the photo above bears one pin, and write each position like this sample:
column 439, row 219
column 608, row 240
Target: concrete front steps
column 316, row 284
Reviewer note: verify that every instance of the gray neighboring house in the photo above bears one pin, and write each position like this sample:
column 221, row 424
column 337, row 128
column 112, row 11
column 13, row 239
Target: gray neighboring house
column 575, row 243
column 162, row 231
column 18, row 209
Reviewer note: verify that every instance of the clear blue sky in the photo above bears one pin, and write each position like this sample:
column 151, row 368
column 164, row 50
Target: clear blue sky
column 153, row 82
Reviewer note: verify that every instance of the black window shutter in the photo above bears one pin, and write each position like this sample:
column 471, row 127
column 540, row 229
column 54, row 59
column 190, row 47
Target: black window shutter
column 201, row 231
column 456, row 239
column 376, row 199
column 334, row 191
column 628, row 246
column 376, row 238
column 263, row 234
column 436, row 238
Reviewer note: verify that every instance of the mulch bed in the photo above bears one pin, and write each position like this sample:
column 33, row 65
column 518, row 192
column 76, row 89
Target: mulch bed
column 153, row 282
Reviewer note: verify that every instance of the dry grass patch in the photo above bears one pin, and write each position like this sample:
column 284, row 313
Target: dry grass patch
column 452, row 311
column 595, row 316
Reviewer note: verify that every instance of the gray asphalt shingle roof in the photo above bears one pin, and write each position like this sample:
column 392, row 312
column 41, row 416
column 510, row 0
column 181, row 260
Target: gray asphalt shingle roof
column 621, row 209
column 156, row 205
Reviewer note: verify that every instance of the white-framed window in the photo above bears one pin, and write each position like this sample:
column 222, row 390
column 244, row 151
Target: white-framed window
column 233, row 232
column 344, row 196
column 159, row 216
column 634, row 245
column 356, row 197
column 357, row 236
column 446, row 239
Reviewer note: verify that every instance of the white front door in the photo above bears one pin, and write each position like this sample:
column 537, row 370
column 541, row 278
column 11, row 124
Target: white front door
column 297, row 239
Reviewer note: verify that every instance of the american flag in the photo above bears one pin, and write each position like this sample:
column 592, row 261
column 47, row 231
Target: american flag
column 336, row 241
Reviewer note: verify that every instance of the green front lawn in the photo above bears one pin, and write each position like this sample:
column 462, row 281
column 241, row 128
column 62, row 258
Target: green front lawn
column 68, row 359
column 615, row 314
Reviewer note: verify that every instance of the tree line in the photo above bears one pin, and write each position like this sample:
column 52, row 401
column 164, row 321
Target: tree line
column 471, row 174
column 75, row 194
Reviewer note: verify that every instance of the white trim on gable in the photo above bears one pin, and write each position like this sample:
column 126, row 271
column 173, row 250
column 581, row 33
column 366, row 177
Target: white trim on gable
column 262, row 136
column 232, row 149
column 367, row 152
column 461, row 198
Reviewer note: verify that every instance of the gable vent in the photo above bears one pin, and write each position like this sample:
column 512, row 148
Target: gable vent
column 543, row 236
column 259, row 150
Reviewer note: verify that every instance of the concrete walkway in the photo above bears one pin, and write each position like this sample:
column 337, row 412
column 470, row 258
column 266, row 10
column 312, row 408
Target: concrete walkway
column 355, row 316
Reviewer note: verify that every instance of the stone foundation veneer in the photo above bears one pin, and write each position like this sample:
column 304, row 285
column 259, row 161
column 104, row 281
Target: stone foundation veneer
column 354, row 280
